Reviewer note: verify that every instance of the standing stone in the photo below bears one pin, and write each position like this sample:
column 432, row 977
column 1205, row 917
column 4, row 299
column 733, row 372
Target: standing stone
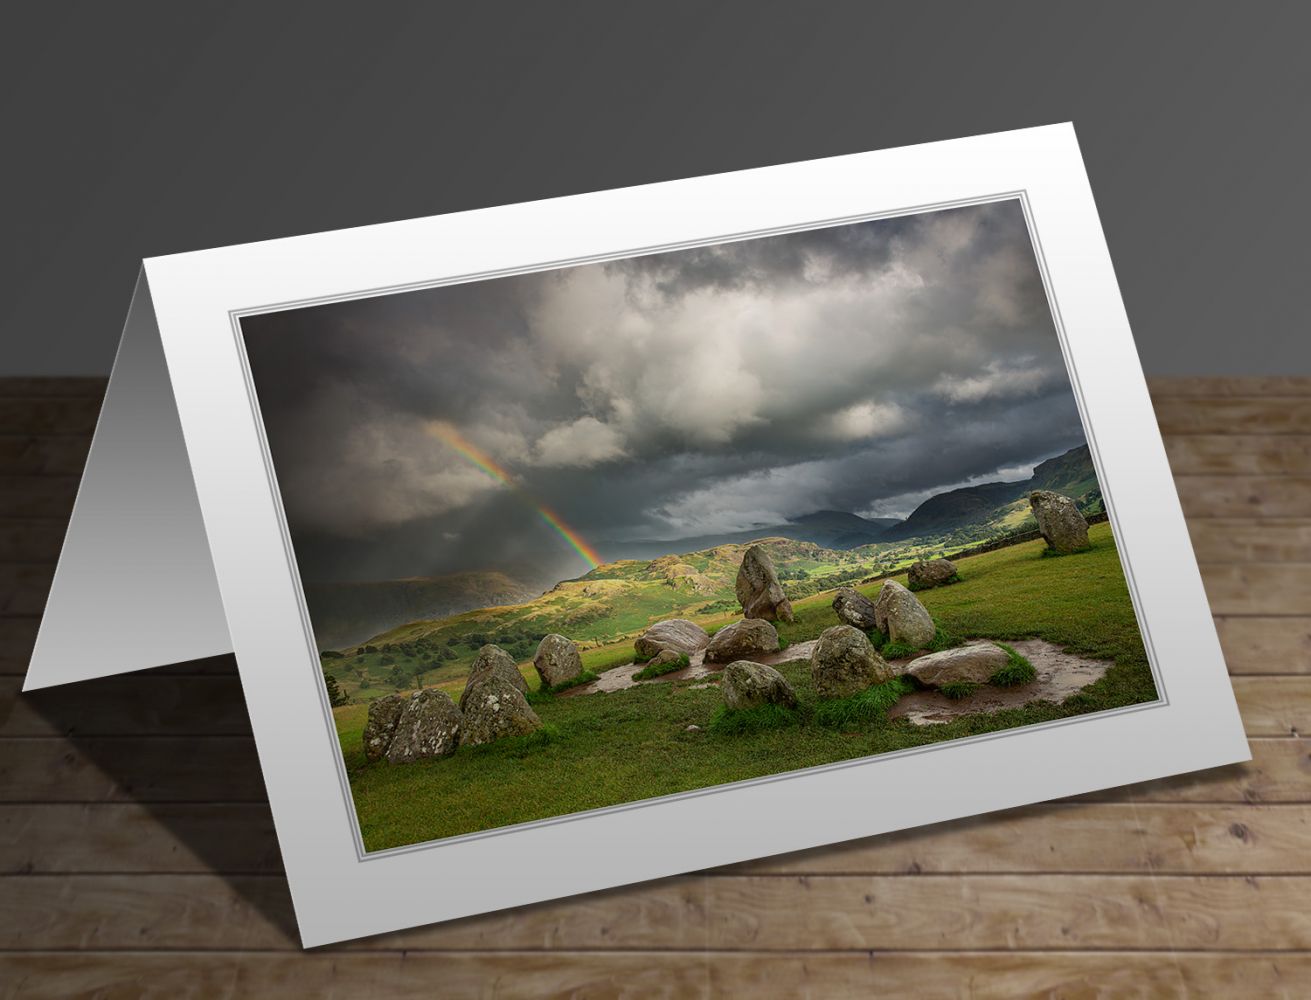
column 384, row 713
column 496, row 709
column 493, row 661
column 974, row 663
column 742, row 639
column 678, row 634
column 900, row 615
column 1059, row 521
column 557, row 660
column 758, row 589
column 854, row 608
column 749, row 685
column 429, row 727
column 933, row 573
column 844, row 663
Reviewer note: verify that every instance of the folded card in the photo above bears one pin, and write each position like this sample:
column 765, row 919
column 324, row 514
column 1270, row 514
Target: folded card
column 593, row 540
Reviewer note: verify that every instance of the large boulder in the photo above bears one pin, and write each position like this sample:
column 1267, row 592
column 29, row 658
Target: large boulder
column 557, row 660
column 678, row 634
column 493, row 661
column 758, row 589
column 844, row 663
column 380, row 726
column 742, row 640
column 974, row 664
column 749, row 685
column 933, row 573
column 899, row 614
column 854, row 608
column 1059, row 521
column 430, row 726
column 496, row 709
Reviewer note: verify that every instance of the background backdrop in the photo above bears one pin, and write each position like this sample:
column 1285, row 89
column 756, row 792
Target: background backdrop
column 140, row 129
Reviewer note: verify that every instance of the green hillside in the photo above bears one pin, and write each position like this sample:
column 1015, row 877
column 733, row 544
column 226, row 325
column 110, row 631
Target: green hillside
column 602, row 749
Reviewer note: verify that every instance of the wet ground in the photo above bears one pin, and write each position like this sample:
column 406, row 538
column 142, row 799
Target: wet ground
column 620, row 678
column 1060, row 674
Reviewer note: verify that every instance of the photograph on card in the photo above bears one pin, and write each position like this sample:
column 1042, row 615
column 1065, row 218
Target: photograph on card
column 596, row 534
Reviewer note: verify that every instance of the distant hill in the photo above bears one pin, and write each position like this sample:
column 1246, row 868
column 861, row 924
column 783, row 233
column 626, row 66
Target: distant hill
column 344, row 613
column 1071, row 474
column 829, row 529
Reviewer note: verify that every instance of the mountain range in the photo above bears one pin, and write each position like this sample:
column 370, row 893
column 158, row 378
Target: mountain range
column 345, row 613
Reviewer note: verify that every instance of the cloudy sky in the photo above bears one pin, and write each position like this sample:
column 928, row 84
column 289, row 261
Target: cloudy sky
column 859, row 368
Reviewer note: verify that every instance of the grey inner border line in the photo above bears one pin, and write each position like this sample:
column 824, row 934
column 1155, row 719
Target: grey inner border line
column 362, row 855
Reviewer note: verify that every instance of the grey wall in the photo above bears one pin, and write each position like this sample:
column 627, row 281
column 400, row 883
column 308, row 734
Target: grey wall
column 137, row 129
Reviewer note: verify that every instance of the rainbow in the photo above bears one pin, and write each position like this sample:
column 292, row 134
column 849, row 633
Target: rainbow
column 494, row 470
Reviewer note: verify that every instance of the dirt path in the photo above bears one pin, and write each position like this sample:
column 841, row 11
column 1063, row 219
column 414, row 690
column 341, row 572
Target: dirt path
column 1060, row 674
column 621, row 677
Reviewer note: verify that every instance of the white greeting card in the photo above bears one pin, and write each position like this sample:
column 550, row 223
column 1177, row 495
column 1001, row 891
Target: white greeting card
column 593, row 540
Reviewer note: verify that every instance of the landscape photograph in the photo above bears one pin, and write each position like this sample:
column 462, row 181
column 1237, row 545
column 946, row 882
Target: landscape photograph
column 598, row 534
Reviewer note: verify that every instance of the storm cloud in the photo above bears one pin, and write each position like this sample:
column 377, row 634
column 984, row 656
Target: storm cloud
column 860, row 367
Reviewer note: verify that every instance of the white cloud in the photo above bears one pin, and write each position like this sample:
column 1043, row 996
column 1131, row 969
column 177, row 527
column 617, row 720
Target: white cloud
column 584, row 442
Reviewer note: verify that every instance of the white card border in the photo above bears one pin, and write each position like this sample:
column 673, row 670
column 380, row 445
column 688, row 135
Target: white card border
column 336, row 894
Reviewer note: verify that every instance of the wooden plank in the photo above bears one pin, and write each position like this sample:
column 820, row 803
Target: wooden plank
column 49, row 414
column 759, row 913
column 1082, row 837
column 150, row 769
column 1233, row 415
column 29, row 386
column 31, row 541
column 24, row 587
column 130, row 837
column 1258, row 588
column 1244, row 540
column 30, row 455
column 671, row 974
column 1239, row 454
column 1262, row 645
column 38, row 496
column 1274, row 706
column 130, row 704
column 1164, row 386
column 1244, row 496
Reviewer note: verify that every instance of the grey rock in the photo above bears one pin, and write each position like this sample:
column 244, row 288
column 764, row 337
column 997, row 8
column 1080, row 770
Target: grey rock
column 664, row 658
column 557, row 660
column 854, row 608
column 933, row 573
column 1059, row 521
column 380, row 727
column 742, row 639
column 493, row 661
column 678, row 634
column 692, row 729
column 749, row 685
column 496, row 709
column 844, row 663
column 974, row 663
column 758, row 589
column 899, row 614
column 430, row 726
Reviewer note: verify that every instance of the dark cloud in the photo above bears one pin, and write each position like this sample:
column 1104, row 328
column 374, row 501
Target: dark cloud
column 859, row 367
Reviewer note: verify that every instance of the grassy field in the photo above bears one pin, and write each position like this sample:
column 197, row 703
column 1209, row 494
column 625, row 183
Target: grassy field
column 632, row 744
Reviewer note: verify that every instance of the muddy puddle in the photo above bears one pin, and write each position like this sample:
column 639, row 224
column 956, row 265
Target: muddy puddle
column 622, row 677
column 1060, row 674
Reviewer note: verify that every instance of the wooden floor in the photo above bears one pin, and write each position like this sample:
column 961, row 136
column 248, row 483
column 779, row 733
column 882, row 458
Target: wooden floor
column 138, row 856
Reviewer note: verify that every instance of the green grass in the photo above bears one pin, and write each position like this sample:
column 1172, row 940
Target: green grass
column 1018, row 670
column 871, row 705
column 959, row 689
column 652, row 671
column 605, row 749
column 899, row 650
column 742, row 721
